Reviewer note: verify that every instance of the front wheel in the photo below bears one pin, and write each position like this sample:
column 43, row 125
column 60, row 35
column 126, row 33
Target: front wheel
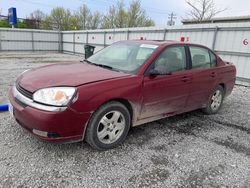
column 108, row 126
column 215, row 101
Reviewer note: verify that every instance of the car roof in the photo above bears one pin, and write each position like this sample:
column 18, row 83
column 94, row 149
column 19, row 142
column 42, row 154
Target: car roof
column 153, row 42
column 160, row 42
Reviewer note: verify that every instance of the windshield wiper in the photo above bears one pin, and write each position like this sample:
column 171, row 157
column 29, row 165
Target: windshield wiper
column 105, row 66
column 87, row 61
column 99, row 65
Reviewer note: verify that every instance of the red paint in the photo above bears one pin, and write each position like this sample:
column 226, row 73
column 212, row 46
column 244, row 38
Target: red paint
column 73, row 74
column 150, row 97
column 182, row 39
column 245, row 42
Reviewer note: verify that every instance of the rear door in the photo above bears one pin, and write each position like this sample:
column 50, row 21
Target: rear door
column 204, row 76
column 167, row 94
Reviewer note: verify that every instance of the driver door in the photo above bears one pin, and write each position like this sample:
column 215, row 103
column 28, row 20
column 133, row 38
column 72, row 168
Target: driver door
column 167, row 93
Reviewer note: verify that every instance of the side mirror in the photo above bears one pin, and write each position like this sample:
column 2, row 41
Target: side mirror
column 154, row 72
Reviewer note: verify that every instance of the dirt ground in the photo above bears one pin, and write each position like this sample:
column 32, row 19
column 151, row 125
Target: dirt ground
column 188, row 150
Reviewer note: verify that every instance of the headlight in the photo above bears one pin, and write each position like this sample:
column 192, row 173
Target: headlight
column 56, row 96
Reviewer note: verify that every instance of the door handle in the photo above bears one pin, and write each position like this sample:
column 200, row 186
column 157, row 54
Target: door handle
column 185, row 79
column 213, row 74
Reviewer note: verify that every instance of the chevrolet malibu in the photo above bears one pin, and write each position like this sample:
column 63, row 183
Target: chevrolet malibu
column 126, row 84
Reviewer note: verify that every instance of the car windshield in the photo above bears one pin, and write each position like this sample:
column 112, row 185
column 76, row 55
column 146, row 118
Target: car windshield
column 125, row 57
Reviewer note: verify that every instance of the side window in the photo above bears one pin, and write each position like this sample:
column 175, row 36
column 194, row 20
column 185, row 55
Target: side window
column 173, row 59
column 213, row 59
column 200, row 58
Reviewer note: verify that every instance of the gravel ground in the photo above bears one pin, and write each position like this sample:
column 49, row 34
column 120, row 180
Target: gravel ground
column 188, row 150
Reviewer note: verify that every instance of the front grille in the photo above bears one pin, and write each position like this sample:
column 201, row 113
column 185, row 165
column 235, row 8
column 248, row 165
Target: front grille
column 24, row 92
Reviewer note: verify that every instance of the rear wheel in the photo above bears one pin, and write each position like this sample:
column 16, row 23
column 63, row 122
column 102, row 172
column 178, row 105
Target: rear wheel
column 108, row 126
column 215, row 101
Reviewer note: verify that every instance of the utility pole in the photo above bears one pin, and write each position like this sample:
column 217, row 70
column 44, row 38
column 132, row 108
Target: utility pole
column 171, row 18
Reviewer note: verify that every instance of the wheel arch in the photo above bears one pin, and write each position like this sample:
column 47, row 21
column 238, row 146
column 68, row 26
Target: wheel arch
column 127, row 104
column 224, row 87
column 123, row 101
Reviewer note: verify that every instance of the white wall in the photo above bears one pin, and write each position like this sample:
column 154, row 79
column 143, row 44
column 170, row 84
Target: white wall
column 230, row 41
column 226, row 39
column 29, row 40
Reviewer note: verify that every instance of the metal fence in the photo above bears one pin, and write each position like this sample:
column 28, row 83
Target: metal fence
column 30, row 40
column 230, row 41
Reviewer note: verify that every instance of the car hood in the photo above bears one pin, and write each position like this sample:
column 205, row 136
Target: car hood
column 65, row 74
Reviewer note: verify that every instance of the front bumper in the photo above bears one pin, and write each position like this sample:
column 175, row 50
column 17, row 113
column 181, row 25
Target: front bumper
column 58, row 126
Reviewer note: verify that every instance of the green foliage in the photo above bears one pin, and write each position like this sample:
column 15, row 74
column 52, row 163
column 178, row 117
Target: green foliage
column 62, row 19
column 119, row 17
column 20, row 24
column 35, row 20
column 4, row 23
column 137, row 16
column 84, row 17
column 109, row 19
column 96, row 20
column 59, row 19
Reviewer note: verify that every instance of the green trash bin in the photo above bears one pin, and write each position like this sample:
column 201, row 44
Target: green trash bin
column 89, row 50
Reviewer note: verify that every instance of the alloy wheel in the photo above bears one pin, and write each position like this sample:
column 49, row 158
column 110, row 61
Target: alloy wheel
column 111, row 127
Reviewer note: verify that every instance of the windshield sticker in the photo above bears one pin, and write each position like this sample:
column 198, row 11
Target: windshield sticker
column 149, row 46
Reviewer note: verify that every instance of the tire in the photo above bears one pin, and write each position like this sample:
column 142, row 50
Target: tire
column 215, row 101
column 108, row 126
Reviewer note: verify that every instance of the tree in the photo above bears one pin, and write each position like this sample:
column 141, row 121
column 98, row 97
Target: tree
column 4, row 23
column 84, row 17
column 137, row 16
column 59, row 19
column 47, row 23
column 87, row 20
column 62, row 19
column 96, row 20
column 119, row 17
column 22, row 24
column 75, row 23
column 109, row 19
column 203, row 9
column 35, row 19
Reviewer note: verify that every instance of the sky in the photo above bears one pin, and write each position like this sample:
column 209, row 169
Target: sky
column 158, row 10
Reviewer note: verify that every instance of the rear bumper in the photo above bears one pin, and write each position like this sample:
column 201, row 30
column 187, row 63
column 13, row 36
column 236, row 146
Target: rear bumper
column 65, row 126
column 229, row 87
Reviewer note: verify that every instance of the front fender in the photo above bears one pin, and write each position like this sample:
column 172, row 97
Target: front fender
column 92, row 96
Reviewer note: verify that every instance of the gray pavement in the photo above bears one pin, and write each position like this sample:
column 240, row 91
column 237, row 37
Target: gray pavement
column 188, row 150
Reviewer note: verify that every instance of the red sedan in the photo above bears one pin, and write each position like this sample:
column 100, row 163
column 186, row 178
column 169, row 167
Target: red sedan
column 126, row 84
